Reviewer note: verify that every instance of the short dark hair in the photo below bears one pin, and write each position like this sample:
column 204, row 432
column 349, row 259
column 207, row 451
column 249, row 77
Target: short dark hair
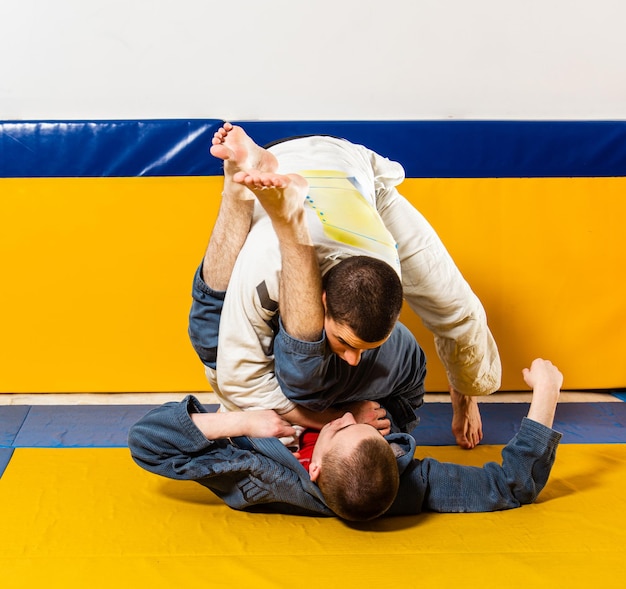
column 360, row 486
column 365, row 294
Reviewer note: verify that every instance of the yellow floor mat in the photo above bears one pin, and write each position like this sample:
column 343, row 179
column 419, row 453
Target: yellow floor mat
column 92, row 518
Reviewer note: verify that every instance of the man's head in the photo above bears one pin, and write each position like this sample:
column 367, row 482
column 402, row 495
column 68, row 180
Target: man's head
column 355, row 468
column 362, row 302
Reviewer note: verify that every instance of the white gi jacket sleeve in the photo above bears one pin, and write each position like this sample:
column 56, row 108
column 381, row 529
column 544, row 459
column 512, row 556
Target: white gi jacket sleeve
column 245, row 360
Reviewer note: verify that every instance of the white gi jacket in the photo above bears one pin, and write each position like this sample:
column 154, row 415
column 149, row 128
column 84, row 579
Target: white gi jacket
column 353, row 208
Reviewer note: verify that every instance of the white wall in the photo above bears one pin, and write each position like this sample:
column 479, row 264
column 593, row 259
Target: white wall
column 313, row 59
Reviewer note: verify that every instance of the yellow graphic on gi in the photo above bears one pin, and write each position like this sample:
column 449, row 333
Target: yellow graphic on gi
column 346, row 216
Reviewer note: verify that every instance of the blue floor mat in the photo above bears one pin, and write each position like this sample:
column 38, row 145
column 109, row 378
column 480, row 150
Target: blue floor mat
column 11, row 419
column 5, row 456
column 580, row 423
column 106, row 426
column 78, row 426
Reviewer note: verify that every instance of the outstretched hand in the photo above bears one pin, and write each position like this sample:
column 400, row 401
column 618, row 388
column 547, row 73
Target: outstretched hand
column 542, row 373
column 370, row 413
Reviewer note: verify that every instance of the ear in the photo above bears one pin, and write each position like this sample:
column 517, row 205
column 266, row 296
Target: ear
column 324, row 300
column 314, row 470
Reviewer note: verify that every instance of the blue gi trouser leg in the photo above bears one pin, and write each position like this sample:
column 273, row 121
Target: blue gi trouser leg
column 204, row 319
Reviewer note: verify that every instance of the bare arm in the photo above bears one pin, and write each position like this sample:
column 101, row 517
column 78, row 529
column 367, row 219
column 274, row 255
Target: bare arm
column 546, row 381
column 255, row 424
column 527, row 461
column 368, row 412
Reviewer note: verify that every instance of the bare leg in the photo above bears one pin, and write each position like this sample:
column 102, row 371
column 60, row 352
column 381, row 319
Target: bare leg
column 546, row 381
column 232, row 225
column 542, row 376
column 467, row 424
column 282, row 197
column 475, row 367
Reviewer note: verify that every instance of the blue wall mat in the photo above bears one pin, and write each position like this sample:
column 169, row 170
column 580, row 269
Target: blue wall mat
column 476, row 149
column 580, row 423
column 52, row 149
column 11, row 419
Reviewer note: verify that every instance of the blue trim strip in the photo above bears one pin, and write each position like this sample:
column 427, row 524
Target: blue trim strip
column 477, row 149
column 38, row 149
column 426, row 149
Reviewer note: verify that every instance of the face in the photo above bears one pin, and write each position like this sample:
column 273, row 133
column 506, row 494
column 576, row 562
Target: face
column 344, row 433
column 343, row 342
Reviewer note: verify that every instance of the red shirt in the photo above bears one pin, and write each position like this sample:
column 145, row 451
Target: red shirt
column 307, row 443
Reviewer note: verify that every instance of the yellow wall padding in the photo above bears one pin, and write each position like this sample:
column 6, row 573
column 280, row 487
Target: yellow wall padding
column 97, row 276
column 100, row 521
column 547, row 258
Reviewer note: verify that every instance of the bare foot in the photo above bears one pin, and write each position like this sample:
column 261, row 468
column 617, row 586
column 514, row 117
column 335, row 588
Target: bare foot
column 282, row 196
column 467, row 425
column 239, row 152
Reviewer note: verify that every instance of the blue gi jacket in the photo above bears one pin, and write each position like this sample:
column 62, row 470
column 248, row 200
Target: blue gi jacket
column 261, row 474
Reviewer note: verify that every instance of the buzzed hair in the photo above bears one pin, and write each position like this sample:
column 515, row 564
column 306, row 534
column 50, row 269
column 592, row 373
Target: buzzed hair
column 362, row 485
column 364, row 294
